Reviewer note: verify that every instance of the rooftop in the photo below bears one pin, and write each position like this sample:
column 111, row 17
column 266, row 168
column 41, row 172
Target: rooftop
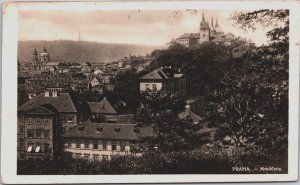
column 109, row 131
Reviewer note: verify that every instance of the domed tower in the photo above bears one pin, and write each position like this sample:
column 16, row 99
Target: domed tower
column 204, row 31
column 44, row 56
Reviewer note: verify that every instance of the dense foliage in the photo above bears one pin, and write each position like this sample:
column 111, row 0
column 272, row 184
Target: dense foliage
column 206, row 160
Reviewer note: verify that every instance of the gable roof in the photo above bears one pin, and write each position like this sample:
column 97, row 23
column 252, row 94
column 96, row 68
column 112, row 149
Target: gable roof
column 64, row 102
column 126, row 131
column 102, row 107
column 162, row 73
column 36, row 109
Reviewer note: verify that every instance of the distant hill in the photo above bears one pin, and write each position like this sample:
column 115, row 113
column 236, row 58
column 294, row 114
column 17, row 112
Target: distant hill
column 81, row 51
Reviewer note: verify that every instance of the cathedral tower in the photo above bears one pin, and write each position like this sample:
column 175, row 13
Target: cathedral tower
column 204, row 31
column 44, row 56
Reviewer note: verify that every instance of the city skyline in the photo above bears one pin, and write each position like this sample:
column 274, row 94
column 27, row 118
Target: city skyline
column 141, row 27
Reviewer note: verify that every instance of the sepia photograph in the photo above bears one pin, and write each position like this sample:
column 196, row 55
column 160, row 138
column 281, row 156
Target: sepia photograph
column 188, row 90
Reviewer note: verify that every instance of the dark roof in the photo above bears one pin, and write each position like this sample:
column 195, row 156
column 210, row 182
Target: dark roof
column 162, row 73
column 64, row 102
column 125, row 118
column 37, row 109
column 126, row 131
column 102, row 107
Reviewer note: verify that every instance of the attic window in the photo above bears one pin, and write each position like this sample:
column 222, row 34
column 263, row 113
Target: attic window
column 117, row 130
column 81, row 128
column 136, row 131
column 99, row 129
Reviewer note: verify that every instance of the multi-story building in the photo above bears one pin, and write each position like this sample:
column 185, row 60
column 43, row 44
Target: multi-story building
column 166, row 78
column 103, row 141
column 43, row 119
column 37, row 126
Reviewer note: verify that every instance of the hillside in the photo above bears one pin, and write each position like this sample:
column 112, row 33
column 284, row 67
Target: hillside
column 81, row 51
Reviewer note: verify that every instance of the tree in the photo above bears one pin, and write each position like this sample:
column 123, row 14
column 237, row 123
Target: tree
column 160, row 110
column 252, row 101
column 127, row 87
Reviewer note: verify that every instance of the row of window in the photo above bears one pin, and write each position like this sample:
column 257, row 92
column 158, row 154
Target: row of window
column 38, row 148
column 37, row 121
column 63, row 118
column 38, row 133
column 96, row 146
column 147, row 87
column 96, row 157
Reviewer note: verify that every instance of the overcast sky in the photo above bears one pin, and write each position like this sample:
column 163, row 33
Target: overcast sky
column 143, row 27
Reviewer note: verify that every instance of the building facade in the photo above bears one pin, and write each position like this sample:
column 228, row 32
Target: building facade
column 103, row 141
column 165, row 78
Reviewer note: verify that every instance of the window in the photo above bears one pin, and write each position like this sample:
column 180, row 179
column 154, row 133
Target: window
column 29, row 121
column 99, row 129
column 105, row 157
column 95, row 157
column 78, row 155
column 154, row 87
column 86, row 156
column 69, row 145
column 95, row 145
column 21, row 142
column 62, row 118
column 46, row 121
column 104, row 145
column 78, row 145
column 81, row 129
column 122, row 146
column 38, row 133
column 147, row 86
column 86, row 146
column 30, row 147
column 46, row 147
column 117, row 130
column 46, row 133
column 30, row 133
column 38, row 121
column 70, row 118
column 113, row 146
column 21, row 130
column 37, row 147
column 136, row 131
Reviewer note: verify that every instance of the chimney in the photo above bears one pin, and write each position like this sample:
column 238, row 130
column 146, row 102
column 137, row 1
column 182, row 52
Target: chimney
column 54, row 94
column 47, row 93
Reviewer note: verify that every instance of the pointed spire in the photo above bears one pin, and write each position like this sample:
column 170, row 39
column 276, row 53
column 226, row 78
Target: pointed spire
column 203, row 18
column 44, row 50
column 217, row 22
column 35, row 51
column 212, row 21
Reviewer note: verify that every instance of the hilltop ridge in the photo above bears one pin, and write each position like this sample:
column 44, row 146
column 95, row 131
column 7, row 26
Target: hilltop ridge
column 81, row 51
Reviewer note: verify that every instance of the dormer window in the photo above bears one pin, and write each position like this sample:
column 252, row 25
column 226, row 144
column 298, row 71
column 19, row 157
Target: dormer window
column 99, row 129
column 81, row 128
column 117, row 130
column 136, row 131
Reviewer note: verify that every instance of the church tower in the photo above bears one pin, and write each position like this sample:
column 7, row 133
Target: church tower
column 204, row 31
column 44, row 56
column 35, row 59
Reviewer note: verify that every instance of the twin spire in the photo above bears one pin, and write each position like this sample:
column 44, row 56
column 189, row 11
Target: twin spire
column 212, row 21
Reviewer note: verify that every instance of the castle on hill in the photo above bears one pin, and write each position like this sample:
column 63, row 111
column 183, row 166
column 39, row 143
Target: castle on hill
column 209, row 33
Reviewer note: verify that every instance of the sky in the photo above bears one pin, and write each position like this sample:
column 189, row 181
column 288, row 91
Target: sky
column 142, row 27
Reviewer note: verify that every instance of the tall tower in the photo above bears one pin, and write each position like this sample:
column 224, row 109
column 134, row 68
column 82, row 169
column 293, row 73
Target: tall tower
column 204, row 31
column 35, row 59
column 44, row 56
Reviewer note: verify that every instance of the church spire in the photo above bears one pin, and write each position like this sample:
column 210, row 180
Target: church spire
column 35, row 52
column 44, row 50
column 217, row 22
column 203, row 18
column 212, row 21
